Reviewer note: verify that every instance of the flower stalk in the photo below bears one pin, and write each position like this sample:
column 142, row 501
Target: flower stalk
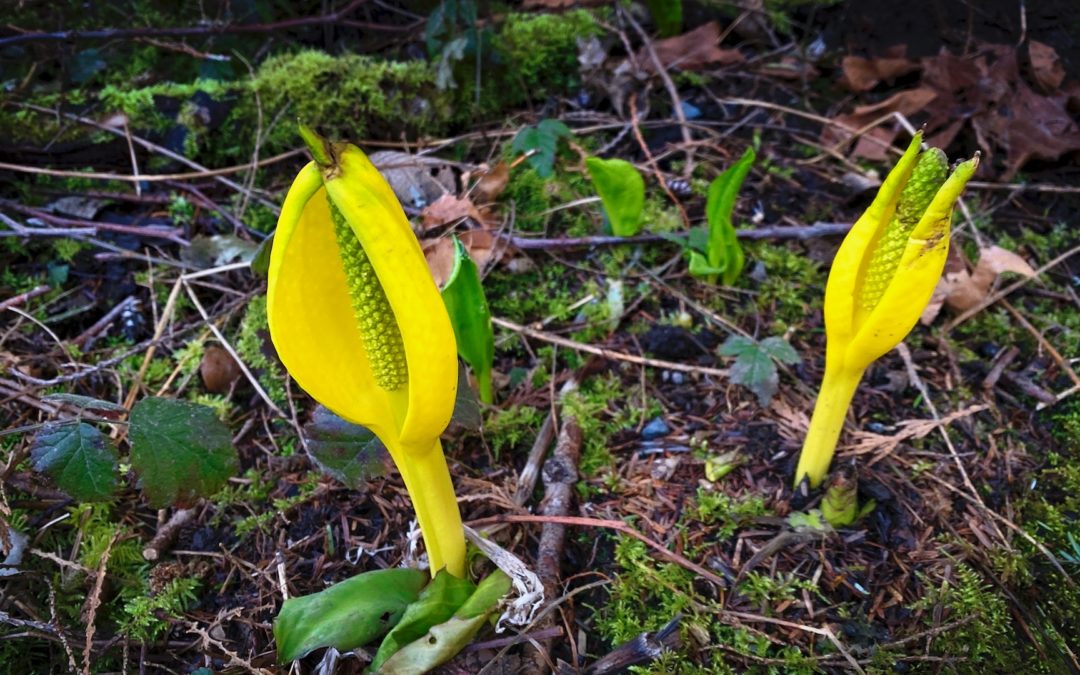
column 359, row 323
column 880, row 282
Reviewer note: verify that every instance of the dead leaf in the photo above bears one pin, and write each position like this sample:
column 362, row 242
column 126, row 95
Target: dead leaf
column 481, row 245
column 961, row 290
column 416, row 181
column 690, row 51
column 862, row 74
column 789, row 68
column 448, row 209
column 492, row 183
column 440, row 258
column 874, row 143
column 1046, row 67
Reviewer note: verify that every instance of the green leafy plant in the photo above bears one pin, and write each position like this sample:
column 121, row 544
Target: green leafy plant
column 755, row 366
column 179, row 450
column 622, row 191
column 667, row 15
column 722, row 257
column 467, row 306
column 543, row 140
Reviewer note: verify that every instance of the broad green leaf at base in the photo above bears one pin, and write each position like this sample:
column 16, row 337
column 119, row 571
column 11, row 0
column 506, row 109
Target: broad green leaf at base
column 79, row 459
column 348, row 614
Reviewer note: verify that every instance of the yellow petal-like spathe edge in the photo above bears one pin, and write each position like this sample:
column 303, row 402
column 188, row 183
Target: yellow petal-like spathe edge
column 314, row 328
column 854, row 338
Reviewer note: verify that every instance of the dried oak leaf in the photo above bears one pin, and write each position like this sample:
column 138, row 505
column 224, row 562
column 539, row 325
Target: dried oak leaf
column 448, row 209
column 874, row 143
column 1046, row 66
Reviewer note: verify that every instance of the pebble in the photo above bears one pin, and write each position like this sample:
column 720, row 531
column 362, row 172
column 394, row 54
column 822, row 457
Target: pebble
column 656, row 428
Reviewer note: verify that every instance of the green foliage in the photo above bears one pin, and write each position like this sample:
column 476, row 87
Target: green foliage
column 443, row 596
column 725, row 513
column 793, row 287
column 754, row 366
column 78, row 457
column 764, row 590
column 347, row 452
column 667, row 15
column 146, row 616
column 543, row 140
column 251, row 344
column 622, row 191
column 603, row 408
column 467, row 306
column 722, row 257
column 540, row 51
column 528, row 192
column 512, row 428
column 180, row 450
column 982, row 641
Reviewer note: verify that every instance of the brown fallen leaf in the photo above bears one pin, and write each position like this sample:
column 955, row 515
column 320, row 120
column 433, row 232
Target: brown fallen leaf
column 690, row 51
column 416, row 181
column 492, row 183
column 440, row 258
column 448, row 209
column 862, row 74
column 874, row 143
column 961, row 290
column 789, row 68
column 1046, row 66
column 481, row 245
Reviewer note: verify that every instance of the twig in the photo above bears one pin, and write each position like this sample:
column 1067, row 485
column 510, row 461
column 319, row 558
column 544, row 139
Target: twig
column 86, row 339
column 560, row 475
column 166, row 534
column 616, row 525
column 94, row 601
column 531, row 471
column 606, row 353
column 170, row 233
column 676, row 104
column 800, row 232
column 210, row 29
column 23, row 297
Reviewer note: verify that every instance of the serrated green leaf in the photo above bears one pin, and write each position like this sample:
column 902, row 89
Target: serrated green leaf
column 78, row 457
column 180, row 450
column 780, row 349
column 344, row 451
column 437, row 603
column 347, row 615
column 544, row 139
column 622, row 192
column 756, row 371
column 467, row 306
column 736, row 345
column 443, row 641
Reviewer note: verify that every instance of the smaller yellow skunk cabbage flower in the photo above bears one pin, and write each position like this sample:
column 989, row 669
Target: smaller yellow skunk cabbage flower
column 880, row 282
column 359, row 323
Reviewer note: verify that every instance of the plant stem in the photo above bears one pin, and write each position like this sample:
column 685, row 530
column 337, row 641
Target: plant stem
column 427, row 479
column 831, row 408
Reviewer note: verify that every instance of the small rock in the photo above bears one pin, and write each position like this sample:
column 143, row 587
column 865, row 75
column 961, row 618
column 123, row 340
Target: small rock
column 678, row 378
column 656, row 428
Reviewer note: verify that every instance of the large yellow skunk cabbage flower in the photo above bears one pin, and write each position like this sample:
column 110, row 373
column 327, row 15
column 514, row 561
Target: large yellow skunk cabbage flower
column 881, row 280
column 359, row 323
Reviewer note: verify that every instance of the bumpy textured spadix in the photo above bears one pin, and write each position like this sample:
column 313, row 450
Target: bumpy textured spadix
column 880, row 282
column 359, row 323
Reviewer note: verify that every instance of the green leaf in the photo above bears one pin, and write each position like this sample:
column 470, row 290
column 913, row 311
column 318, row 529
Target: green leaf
column 347, row 615
column 180, row 450
column 467, row 306
column 779, row 348
column 700, row 267
column 260, row 264
column 443, row 641
column 344, row 451
column 667, row 15
column 753, row 367
column 544, row 139
column 466, row 407
column 723, row 249
column 622, row 191
column 78, row 458
column 437, row 604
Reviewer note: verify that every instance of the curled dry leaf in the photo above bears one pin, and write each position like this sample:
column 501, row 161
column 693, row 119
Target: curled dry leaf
column 874, row 143
column 448, row 209
column 492, row 183
column 440, row 258
column 961, row 290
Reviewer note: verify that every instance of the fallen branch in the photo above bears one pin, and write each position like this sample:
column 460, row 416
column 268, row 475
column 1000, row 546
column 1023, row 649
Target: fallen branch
column 800, row 232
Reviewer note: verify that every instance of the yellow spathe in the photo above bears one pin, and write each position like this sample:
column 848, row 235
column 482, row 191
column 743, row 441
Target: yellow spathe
column 859, row 330
column 316, row 333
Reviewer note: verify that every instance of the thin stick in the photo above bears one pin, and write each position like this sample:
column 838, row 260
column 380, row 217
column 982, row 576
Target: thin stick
column 23, row 297
column 799, row 232
column 606, row 353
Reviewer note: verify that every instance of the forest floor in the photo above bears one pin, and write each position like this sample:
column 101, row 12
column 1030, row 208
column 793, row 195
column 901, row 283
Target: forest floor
column 143, row 166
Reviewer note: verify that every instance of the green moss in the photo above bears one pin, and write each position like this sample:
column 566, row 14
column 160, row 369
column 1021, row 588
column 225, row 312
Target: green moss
column 512, row 428
column 725, row 513
column 251, row 342
column 794, row 285
column 530, row 197
column 541, row 49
